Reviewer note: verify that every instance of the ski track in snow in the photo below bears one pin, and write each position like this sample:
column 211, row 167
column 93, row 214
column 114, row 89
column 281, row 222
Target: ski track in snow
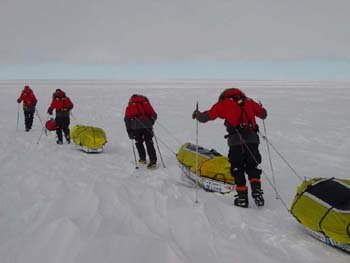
column 58, row 204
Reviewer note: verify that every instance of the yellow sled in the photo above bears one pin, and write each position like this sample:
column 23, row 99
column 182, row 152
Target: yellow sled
column 322, row 205
column 213, row 169
column 89, row 139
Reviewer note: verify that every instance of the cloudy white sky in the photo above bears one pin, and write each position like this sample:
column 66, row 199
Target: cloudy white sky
column 116, row 32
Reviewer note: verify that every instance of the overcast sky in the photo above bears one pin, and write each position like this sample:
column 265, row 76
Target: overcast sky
column 135, row 32
column 158, row 31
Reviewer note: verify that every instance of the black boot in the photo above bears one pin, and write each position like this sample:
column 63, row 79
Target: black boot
column 257, row 195
column 152, row 165
column 241, row 199
column 257, row 192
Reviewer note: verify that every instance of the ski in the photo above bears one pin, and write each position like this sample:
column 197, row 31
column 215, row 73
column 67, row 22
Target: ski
column 206, row 183
column 320, row 236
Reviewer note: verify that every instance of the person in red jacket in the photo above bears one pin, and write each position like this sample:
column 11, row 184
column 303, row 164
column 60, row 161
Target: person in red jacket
column 63, row 105
column 29, row 103
column 239, row 113
column 139, row 120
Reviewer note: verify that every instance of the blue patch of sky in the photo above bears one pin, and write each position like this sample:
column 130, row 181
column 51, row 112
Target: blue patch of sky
column 280, row 70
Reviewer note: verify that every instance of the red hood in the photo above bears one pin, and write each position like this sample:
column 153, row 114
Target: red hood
column 137, row 99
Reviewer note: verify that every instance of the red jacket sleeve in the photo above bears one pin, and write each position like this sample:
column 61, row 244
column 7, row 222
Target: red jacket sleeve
column 216, row 111
column 259, row 111
column 52, row 105
column 127, row 112
column 34, row 99
column 150, row 111
column 68, row 104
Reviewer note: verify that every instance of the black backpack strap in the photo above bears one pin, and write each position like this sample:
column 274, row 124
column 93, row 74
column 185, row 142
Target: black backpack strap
column 241, row 101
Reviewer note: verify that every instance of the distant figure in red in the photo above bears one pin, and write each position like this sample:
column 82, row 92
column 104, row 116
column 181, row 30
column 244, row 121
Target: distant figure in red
column 29, row 103
column 63, row 105
column 239, row 113
column 139, row 119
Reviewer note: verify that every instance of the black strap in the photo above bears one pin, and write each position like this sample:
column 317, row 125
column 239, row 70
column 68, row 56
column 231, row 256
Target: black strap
column 243, row 112
column 323, row 217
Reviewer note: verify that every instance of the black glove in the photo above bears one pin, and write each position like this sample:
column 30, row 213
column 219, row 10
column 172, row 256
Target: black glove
column 264, row 115
column 49, row 111
column 195, row 114
column 18, row 101
column 131, row 134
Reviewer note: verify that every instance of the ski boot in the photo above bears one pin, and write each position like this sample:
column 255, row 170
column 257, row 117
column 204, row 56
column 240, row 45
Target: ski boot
column 241, row 199
column 152, row 165
column 257, row 195
column 59, row 142
column 142, row 161
column 68, row 139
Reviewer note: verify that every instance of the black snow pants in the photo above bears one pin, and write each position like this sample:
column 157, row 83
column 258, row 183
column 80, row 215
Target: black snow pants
column 28, row 118
column 245, row 161
column 145, row 135
column 62, row 124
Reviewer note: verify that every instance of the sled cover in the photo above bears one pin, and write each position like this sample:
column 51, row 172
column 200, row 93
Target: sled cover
column 88, row 137
column 323, row 205
column 211, row 164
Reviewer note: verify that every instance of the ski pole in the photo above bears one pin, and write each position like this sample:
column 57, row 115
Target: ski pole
column 37, row 113
column 133, row 149
column 43, row 130
column 151, row 132
column 71, row 113
column 270, row 160
column 282, row 157
column 269, row 154
column 197, row 154
column 160, row 154
column 17, row 117
column 267, row 177
column 41, row 134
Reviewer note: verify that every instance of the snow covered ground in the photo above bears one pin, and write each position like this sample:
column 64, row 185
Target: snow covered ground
column 58, row 204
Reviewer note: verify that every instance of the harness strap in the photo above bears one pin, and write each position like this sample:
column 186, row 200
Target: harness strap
column 250, row 125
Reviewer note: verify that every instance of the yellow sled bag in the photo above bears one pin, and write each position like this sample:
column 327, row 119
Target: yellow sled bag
column 213, row 169
column 90, row 139
column 322, row 205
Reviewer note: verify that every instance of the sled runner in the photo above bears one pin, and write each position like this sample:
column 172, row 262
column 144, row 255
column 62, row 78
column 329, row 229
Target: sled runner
column 213, row 168
column 322, row 205
column 89, row 139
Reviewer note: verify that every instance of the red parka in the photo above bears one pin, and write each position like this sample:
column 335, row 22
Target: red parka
column 28, row 98
column 139, row 113
column 239, row 113
column 61, row 103
column 229, row 110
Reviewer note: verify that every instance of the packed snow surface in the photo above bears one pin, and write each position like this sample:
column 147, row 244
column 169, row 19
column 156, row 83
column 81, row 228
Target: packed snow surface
column 58, row 204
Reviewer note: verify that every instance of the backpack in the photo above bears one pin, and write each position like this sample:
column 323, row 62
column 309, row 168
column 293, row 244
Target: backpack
column 140, row 107
column 240, row 98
